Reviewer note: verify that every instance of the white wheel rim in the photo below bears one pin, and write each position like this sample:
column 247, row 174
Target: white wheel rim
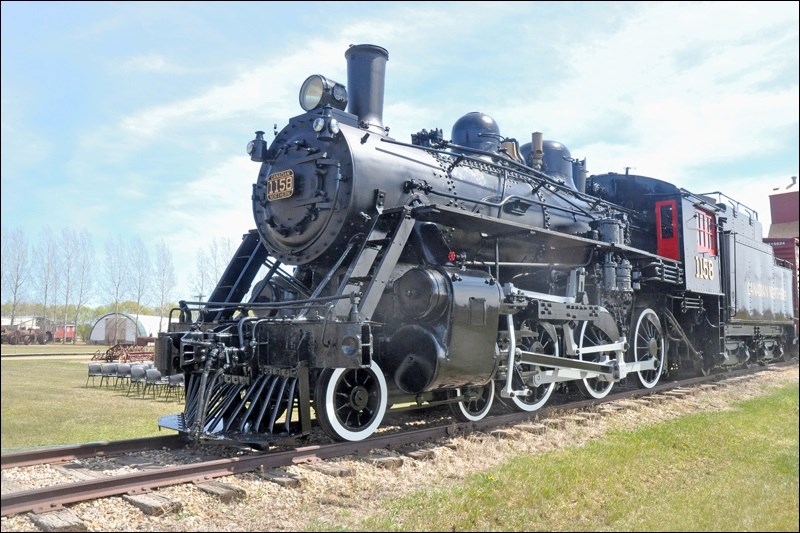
column 548, row 389
column 649, row 384
column 530, row 407
column 586, row 381
column 330, row 409
column 474, row 417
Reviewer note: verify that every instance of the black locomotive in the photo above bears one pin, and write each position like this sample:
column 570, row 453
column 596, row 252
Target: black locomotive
column 456, row 272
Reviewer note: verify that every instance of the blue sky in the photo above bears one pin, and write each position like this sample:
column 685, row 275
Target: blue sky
column 129, row 118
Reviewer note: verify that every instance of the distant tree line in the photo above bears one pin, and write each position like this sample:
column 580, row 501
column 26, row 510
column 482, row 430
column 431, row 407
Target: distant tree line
column 56, row 275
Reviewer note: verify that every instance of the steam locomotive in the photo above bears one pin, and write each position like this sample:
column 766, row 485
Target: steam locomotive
column 384, row 274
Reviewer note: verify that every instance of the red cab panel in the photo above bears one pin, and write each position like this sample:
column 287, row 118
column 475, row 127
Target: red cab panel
column 667, row 229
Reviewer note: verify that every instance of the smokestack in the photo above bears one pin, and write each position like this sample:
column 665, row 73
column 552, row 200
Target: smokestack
column 366, row 75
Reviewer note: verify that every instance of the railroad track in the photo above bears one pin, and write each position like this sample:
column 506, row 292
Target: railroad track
column 43, row 500
column 62, row 454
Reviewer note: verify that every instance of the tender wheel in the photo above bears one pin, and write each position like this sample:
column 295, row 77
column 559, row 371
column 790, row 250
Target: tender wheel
column 543, row 340
column 648, row 343
column 772, row 350
column 592, row 335
column 476, row 408
column 350, row 402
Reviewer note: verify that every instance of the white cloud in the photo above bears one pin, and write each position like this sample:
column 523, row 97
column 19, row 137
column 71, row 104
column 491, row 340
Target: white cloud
column 148, row 62
column 266, row 89
column 666, row 92
column 685, row 85
column 189, row 217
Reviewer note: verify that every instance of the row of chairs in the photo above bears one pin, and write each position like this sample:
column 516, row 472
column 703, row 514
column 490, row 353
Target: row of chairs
column 143, row 376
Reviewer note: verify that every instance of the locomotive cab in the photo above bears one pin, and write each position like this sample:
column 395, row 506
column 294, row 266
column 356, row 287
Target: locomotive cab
column 670, row 222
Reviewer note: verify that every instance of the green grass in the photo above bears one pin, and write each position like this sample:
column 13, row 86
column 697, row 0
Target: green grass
column 731, row 471
column 45, row 403
column 20, row 349
column 724, row 471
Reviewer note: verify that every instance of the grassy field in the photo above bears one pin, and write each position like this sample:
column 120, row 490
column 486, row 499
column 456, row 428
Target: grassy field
column 719, row 471
column 23, row 349
column 45, row 402
column 723, row 471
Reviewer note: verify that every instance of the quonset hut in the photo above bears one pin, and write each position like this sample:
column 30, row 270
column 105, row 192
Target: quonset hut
column 122, row 328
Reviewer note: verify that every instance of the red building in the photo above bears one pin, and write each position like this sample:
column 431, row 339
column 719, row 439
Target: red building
column 784, row 231
column 62, row 336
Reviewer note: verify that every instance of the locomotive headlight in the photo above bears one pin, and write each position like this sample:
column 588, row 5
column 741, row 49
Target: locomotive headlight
column 318, row 124
column 318, row 91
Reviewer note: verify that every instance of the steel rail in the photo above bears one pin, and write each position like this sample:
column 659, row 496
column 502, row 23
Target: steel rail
column 60, row 454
